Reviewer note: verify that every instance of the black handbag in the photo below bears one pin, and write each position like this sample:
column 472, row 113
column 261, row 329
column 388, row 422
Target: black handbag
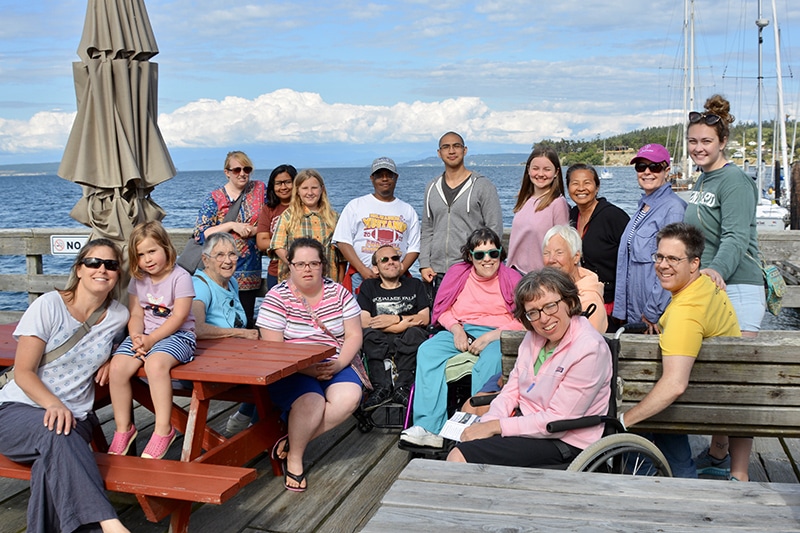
column 192, row 255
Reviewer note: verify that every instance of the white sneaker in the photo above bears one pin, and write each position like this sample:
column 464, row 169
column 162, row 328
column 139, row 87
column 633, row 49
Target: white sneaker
column 419, row 436
column 236, row 423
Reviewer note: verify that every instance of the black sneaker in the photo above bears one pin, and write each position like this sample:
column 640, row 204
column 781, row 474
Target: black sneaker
column 380, row 396
column 401, row 395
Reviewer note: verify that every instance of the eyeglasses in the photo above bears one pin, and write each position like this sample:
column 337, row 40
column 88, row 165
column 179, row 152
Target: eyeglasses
column 549, row 309
column 238, row 170
column 479, row 254
column 158, row 310
column 454, row 146
column 222, row 256
column 384, row 175
column 670, row 259
column 709, row 118
column 389, row 258
column 283, row 183
column 641, row 166
column 302, row 265
column 95, row 262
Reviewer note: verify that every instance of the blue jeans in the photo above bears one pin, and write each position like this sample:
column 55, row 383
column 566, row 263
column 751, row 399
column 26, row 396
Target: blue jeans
column 356, row 280
column 678, row 452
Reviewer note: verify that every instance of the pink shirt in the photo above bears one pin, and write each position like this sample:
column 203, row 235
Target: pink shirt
column 572, row 383
column 480, row 303
column 528, row 229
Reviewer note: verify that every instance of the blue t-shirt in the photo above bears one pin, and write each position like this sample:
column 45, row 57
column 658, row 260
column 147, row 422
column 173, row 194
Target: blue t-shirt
column 223, row 308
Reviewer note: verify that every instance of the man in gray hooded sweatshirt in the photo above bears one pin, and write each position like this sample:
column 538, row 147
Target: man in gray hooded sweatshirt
column 455, row 204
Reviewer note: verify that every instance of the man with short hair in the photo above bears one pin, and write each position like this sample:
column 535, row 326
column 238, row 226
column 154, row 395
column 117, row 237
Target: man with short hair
column 373, row 220
column 698, row 310
column 394, row 314
column 456, row 203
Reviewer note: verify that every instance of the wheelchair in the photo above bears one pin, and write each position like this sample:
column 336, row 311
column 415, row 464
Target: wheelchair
column 618, row 452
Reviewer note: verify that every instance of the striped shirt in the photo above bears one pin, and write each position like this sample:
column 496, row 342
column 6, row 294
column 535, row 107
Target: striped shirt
column 282, row 311
column 311, row 225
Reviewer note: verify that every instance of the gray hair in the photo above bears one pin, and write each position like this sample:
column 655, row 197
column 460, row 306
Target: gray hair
column 216, row 238
column 570, row 236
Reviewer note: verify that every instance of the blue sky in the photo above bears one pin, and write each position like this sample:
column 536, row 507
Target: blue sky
column 344, row 81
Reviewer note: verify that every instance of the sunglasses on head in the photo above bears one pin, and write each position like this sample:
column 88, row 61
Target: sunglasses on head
column 641, row 166
column 389, row 258
column 709, row 118
column 238, row 170
column 479, row 254
column 95, row 262
column 158, row 310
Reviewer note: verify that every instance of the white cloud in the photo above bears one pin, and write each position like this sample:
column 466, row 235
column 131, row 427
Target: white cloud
column 47, row 130
column 286, row 116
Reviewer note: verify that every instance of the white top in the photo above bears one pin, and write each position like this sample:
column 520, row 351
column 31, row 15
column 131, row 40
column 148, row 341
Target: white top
column 367, row 223
column 71, row 376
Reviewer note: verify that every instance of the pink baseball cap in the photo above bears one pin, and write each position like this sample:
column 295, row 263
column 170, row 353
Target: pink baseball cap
column 652, row 152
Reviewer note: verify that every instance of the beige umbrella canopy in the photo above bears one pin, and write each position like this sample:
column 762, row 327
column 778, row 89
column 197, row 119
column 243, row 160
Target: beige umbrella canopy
column 115, row 150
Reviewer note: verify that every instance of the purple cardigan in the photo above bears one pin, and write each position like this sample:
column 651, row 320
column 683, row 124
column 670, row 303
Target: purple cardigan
column 456, row 277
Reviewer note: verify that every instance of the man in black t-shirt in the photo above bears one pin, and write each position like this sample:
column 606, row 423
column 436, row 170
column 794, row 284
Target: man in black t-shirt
column 394, row 314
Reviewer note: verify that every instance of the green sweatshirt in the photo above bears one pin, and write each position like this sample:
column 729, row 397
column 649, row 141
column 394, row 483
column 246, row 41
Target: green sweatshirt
column 723, row 205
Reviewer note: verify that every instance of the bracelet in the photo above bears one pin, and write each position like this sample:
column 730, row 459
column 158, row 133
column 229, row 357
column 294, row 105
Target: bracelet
column 622, row 421
column 399, row 319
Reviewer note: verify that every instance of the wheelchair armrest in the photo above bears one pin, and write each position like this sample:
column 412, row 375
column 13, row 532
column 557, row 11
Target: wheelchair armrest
column 483, row 399
column 577, row 423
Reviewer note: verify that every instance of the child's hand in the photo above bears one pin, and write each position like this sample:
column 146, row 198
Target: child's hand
column 101, row 378
column 146, row 345
column 136, row 342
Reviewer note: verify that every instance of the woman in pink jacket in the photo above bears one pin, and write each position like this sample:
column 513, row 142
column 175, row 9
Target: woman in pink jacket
column 563, row 371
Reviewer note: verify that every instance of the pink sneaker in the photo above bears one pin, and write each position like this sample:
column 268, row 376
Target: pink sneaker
column 122, row 441
column 158, row 445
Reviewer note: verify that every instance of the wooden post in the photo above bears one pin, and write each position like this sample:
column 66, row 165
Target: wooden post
column 794, row 200
column 34, row 268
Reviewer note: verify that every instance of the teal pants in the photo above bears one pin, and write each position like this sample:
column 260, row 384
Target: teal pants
column 430, row 391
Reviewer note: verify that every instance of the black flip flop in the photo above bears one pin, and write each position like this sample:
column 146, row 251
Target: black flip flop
column 298, row 478
column 274, row 453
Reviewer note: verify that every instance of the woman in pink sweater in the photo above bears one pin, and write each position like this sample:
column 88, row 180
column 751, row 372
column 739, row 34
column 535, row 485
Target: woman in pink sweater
column 563, row 371
column 475, row 302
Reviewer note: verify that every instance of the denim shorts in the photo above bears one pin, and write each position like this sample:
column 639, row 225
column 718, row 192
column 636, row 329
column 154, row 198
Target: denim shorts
column 749, row 302
column 285, row 391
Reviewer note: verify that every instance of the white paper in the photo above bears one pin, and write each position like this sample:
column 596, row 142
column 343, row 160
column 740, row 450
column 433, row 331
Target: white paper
column 457, row 424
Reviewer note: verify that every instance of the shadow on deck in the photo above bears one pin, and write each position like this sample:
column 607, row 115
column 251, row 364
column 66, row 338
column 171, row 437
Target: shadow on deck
column 348, row 473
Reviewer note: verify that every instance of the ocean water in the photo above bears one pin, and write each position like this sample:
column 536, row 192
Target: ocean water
column 48, row 200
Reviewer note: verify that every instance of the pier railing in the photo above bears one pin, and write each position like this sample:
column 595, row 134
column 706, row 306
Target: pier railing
column 31, row 244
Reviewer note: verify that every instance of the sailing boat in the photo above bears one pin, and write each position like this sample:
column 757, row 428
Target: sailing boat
column 770, row 216
column 605, row 173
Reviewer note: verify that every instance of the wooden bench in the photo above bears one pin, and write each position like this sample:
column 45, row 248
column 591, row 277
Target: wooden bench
column 738, row 386
column 156, row 482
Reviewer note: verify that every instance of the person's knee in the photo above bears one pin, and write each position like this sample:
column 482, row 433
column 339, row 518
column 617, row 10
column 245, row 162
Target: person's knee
column 455, row 456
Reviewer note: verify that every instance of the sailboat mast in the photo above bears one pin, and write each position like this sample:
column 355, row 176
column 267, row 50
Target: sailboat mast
column 688, row 81
column 781, row 115
column 761, row 23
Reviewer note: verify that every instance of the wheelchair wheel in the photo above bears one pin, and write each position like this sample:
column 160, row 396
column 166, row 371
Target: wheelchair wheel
column 623, row 453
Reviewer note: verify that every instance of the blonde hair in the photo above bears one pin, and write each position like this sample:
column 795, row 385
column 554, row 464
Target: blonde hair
column 155, row 231
column 326, row 212
column 241, row 156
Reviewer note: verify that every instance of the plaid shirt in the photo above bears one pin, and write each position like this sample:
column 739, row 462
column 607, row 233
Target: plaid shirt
column 311, row 225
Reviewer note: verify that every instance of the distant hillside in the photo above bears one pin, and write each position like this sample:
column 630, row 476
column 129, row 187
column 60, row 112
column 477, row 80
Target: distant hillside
column 480, row 160
column 30, row 169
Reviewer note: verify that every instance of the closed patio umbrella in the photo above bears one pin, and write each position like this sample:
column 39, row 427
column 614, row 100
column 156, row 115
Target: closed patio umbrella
column 115, row 150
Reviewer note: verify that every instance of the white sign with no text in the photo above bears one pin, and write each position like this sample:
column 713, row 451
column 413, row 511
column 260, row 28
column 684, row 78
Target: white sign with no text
column 66, row 244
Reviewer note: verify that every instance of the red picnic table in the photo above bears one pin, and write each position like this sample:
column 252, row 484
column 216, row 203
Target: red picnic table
column 223, row 369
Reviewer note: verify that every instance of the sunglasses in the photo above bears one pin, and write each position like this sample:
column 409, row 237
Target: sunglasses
column 158, row 310
column 479, row 254
column 238, row 170
column 95, row 262
column 641, row 166
column 709, row 118
column 389, row 258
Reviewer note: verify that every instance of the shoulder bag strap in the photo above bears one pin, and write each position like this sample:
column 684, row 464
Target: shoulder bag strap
column 55, row 353
column 233, row 211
